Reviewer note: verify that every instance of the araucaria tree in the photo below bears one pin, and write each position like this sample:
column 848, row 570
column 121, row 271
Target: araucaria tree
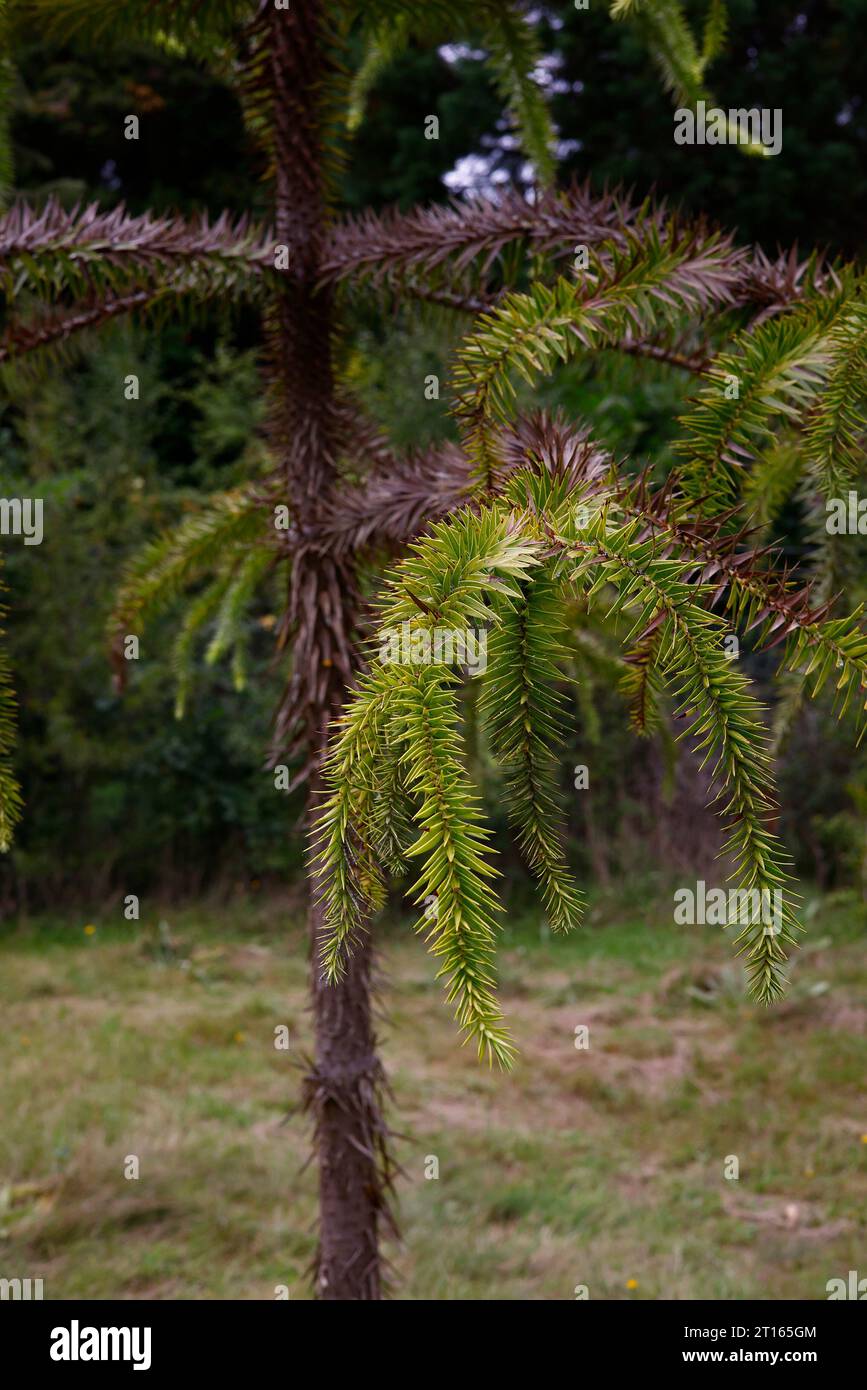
column 510, row 534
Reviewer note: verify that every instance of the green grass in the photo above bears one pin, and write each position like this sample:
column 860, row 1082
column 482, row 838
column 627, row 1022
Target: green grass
column 602, row 1167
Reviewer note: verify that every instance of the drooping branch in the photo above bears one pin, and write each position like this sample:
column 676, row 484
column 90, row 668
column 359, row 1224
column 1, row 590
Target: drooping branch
column 759, row 595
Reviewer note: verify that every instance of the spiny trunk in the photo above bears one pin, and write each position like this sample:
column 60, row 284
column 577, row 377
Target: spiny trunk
column 344, row 1087
column 344, row 1095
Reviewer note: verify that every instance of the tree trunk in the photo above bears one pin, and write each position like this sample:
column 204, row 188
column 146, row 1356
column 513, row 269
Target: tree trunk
column 343, row 1090
column 344, row 1095
column 345, row 1084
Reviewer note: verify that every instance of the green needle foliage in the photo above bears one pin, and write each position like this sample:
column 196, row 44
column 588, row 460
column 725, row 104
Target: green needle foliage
column 522, row 711
column 442, row 584
column 781, row 420
column 512, row 565
column 229, row 630
column 226, row 546
column 383, row 44
column 721, row 716
column 836, row 428
column 681, row 61
column 460, row 920
column 109, row 19
column 568, row 527
column 782, row 406
column 513, row 51
column 199, row 612
column 649, row 279
column 361, row 765
column 773, row 372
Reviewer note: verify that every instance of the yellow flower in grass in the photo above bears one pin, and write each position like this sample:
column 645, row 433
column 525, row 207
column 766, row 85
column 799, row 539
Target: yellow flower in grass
column 89, row 929
column 632, row 1283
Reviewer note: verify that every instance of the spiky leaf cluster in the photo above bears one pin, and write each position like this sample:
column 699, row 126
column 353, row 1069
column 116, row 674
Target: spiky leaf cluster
column 657, row 278
column 573, row 528
column 227, row 547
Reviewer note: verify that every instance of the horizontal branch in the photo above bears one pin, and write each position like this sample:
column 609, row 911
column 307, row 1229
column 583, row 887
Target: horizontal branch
column 459, row 243
column 395, row 244
column 389, row 508
column 88, row 253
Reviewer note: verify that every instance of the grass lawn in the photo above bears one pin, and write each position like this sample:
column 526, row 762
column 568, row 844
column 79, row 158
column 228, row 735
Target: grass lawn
column 602, row 1166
